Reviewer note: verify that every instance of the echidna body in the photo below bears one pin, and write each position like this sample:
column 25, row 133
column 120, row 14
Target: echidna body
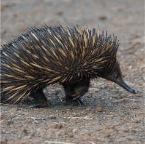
column 48, row 55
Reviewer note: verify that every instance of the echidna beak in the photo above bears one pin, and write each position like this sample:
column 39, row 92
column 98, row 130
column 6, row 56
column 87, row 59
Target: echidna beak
column 128, row 88
column 116, row 76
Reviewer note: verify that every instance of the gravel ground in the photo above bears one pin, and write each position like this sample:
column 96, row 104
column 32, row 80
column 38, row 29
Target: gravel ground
column 111, row 114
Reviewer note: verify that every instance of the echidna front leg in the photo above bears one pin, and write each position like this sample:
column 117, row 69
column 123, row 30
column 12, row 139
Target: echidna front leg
column 38, row 99
column 74, row 90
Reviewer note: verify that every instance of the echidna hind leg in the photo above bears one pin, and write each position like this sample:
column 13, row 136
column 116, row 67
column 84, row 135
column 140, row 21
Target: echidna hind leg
column 38, row 99
column 74, row 91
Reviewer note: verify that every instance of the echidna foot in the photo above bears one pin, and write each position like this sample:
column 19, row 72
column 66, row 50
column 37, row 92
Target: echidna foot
column 38, row 99
column 37, row 104
column 76, row 102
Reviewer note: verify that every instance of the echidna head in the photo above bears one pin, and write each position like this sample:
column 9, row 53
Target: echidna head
column 116, row 76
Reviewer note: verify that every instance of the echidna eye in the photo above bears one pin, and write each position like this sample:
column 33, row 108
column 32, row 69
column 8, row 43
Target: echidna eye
column 116, row 75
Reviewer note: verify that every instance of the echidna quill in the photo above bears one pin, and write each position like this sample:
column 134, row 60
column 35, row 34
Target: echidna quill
column 48, row 55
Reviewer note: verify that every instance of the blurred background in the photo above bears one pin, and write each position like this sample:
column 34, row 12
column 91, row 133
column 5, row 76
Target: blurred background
column 117, row 16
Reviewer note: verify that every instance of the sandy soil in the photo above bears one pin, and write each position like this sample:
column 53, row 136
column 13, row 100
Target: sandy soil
column 111, row 114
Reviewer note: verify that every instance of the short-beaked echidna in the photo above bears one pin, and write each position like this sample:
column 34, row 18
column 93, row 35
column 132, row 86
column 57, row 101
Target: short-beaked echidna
column 48, row 55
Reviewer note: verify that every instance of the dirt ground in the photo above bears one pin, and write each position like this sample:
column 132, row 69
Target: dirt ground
column 111, row 114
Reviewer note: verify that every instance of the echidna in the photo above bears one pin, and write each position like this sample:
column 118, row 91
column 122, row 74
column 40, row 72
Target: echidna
column 48, row 55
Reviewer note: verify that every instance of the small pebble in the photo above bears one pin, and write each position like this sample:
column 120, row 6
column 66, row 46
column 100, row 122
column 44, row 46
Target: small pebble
column 133, row 130
column 99, row 109
column 58, row 126
column 138, row 95
column 52, row 117
column 25, row 131
column 102, row 17
column 136, row 121
column 130, row 138
column 124, row 130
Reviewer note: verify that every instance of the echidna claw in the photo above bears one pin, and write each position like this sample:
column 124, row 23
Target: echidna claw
column 79, row 102
column 39, row 106
column 76, row 102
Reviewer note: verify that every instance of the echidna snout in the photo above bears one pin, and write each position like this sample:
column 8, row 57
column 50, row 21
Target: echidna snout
column 116, row 76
